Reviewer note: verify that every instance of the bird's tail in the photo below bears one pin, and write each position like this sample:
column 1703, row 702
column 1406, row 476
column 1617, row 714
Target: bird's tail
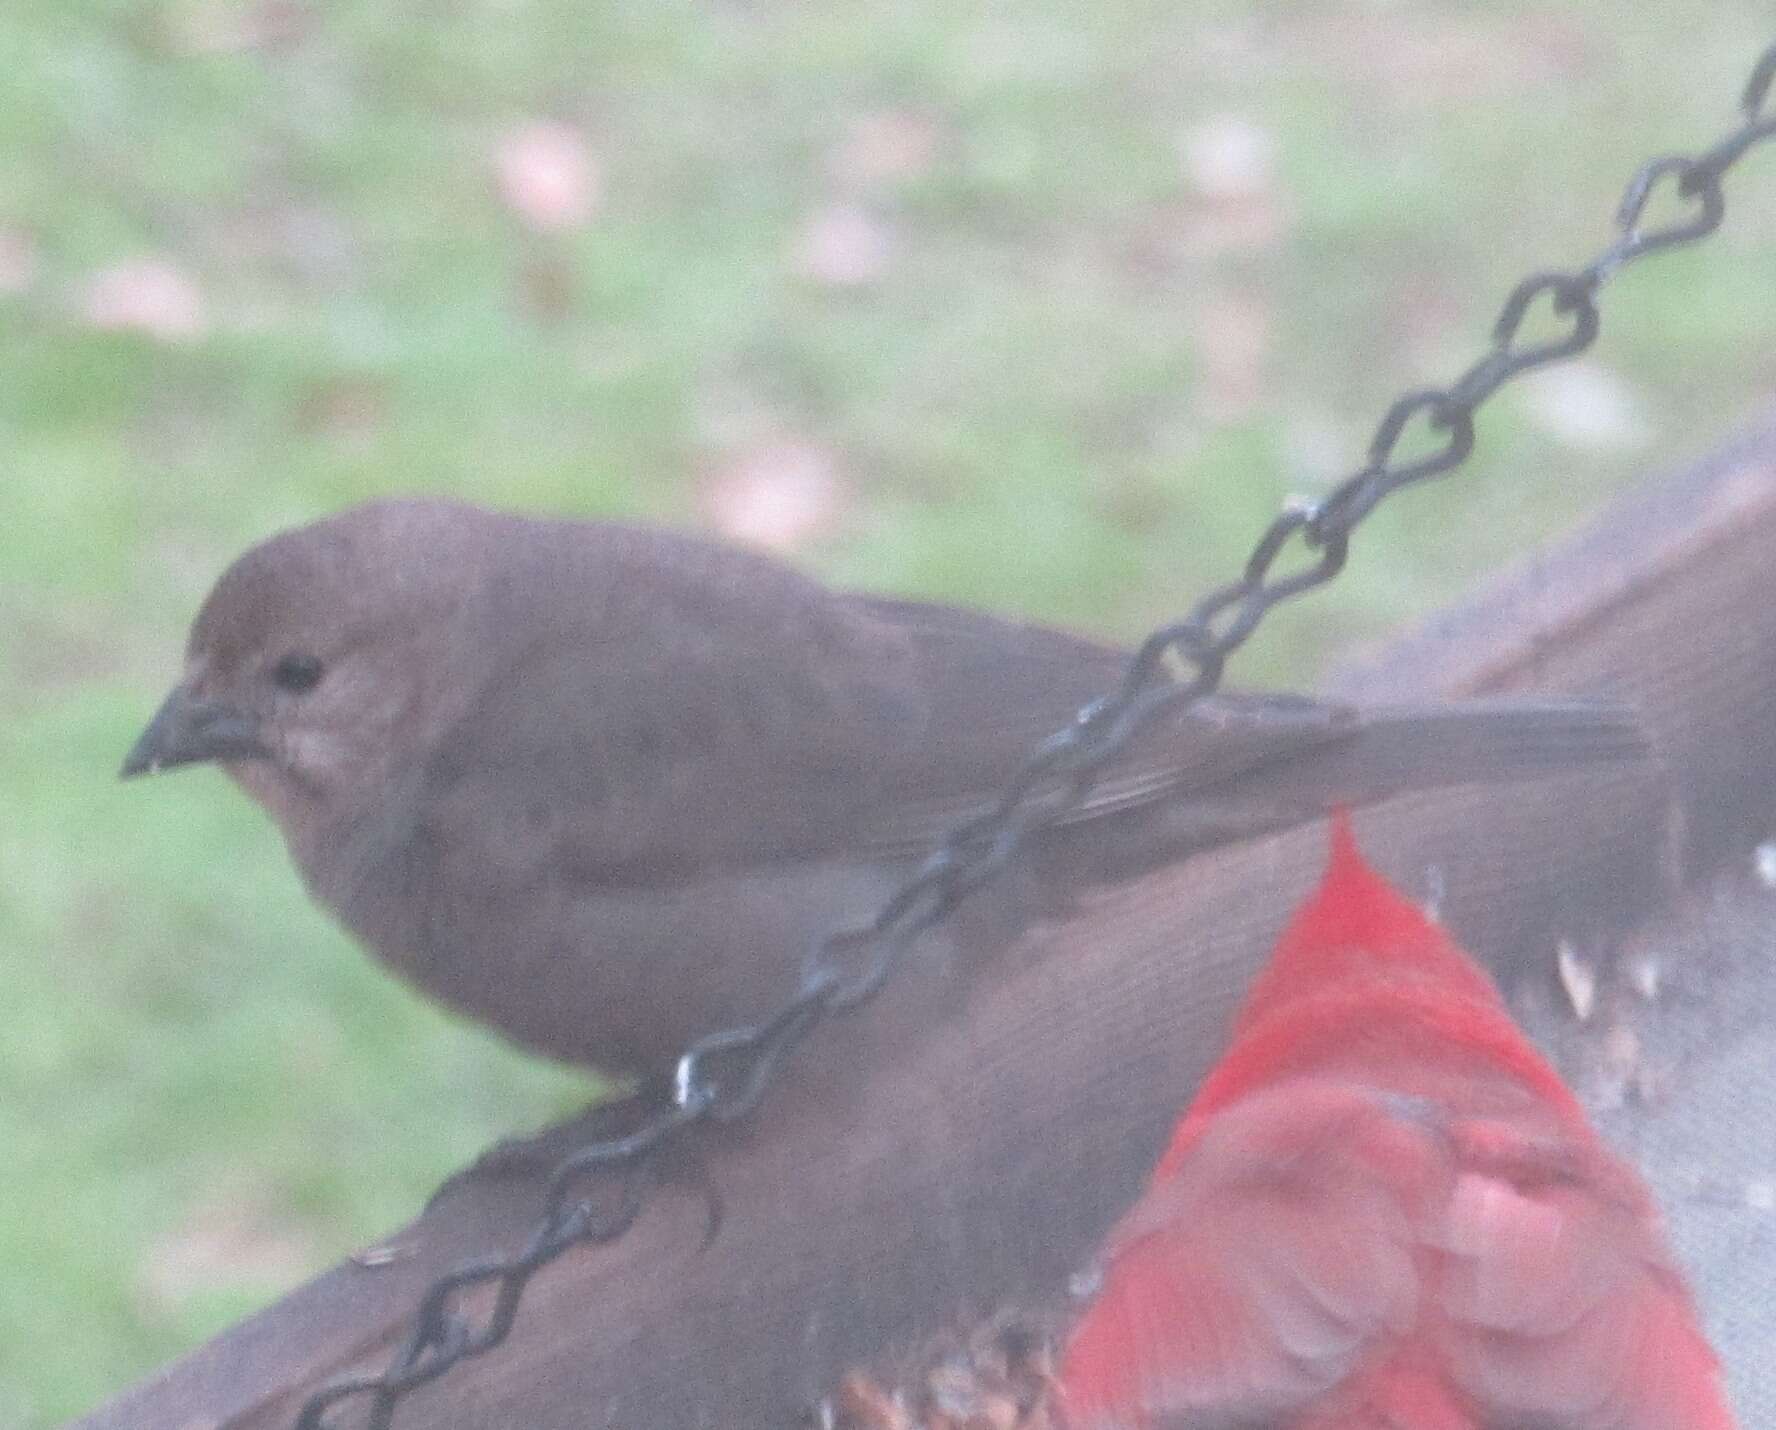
column 1398, row 748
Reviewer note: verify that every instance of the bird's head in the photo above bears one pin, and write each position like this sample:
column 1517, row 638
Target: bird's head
column 312, row 663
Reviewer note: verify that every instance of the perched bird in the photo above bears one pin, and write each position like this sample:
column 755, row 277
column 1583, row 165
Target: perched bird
column 1385, row 1211
column 601, row 786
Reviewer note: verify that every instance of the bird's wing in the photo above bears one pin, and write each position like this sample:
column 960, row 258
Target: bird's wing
column 998, row 688
column 1561, row 1304
column 1255, row 1285
column 1315, row 1261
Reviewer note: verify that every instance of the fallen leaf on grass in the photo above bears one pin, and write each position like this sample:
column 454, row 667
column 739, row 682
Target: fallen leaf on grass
column 843, row 246
column 777, row 496
column 548, row 176
column 145, row 295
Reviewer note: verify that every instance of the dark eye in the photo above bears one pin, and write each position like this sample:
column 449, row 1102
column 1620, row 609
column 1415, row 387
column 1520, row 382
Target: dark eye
column 297, row 673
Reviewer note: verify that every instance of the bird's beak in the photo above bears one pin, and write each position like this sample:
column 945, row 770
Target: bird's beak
column 187, row 729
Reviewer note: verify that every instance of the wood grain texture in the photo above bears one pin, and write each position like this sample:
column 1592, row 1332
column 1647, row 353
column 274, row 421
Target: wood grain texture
column 977, row 1171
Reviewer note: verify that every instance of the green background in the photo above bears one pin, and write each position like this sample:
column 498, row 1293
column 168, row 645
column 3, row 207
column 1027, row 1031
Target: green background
column 1042, row 306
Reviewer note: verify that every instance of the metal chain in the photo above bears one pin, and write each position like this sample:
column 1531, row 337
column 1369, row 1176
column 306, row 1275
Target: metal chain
column 723, row 1076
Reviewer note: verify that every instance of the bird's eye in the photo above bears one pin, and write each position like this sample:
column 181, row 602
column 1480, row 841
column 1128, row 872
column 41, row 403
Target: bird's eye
column 297, row 673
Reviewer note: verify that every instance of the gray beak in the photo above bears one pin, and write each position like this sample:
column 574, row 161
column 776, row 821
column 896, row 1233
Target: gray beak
column 187, row 729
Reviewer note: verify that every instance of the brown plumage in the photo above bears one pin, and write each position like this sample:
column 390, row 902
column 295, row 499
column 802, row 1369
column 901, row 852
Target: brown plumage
column 600, row 786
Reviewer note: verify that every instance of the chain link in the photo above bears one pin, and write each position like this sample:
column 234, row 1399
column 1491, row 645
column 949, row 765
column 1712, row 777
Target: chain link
column 723, row 1076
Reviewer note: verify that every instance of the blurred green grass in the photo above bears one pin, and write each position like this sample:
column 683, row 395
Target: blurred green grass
column 1074, row 383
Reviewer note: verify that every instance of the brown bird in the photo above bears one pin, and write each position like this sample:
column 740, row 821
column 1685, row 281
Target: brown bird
column 601, row 786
